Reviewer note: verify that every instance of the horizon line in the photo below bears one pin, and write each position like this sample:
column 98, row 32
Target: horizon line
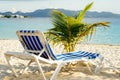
column 57, row 9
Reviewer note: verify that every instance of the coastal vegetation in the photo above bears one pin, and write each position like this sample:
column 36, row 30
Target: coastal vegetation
column 12, row 16
column 68, row 31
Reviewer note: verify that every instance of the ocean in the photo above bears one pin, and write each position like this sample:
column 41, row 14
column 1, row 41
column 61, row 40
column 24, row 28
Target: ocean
column 111, row 35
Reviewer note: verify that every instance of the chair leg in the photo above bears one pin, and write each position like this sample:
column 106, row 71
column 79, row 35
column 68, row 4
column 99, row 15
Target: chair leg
column 27, row 66
column 12, row 68
column 40, row 68
column 100, row 65
column 57, row 70
column 88, row 66
column 97, row 69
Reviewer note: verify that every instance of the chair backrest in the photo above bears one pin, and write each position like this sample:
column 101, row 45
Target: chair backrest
column 34, row 41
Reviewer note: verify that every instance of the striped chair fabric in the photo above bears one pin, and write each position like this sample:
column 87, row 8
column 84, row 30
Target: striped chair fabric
column 31, row 41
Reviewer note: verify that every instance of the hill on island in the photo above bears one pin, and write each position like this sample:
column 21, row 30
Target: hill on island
column 47, row 13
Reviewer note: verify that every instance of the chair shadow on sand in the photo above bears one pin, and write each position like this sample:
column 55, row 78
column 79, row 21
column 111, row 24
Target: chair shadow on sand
column 75, row 74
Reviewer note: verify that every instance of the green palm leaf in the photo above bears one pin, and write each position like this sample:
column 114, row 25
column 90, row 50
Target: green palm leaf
column 82, row 13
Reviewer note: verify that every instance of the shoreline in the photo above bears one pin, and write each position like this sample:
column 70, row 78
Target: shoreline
column 78, row 43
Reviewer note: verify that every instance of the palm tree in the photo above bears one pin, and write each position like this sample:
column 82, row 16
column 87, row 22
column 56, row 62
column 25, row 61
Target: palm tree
column 68, row 30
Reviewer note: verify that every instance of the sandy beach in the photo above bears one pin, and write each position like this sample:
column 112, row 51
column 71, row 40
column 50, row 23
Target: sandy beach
column 79, row 72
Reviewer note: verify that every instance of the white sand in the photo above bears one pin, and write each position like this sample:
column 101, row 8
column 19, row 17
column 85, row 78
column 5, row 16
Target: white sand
column 110, row 52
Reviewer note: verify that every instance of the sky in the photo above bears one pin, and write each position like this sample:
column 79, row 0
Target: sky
column 32, row 5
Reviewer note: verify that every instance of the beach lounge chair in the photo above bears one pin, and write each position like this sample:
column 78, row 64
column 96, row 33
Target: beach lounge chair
column 37, row 49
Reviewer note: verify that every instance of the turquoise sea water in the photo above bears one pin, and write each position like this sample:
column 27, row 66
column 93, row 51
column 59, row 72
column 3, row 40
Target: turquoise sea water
column 111, row 36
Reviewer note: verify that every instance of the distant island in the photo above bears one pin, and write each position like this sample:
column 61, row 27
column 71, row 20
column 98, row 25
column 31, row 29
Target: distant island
column 12, row 16
column 47, row 13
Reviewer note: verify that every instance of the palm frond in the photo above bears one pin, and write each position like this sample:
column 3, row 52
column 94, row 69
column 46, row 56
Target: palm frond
column 82, row 13
column 91, row 28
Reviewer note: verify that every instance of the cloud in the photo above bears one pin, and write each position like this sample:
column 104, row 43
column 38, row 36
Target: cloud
column 13, row 10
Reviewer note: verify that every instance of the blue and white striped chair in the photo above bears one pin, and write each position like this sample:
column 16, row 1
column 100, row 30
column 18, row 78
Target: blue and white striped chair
column 36, row 48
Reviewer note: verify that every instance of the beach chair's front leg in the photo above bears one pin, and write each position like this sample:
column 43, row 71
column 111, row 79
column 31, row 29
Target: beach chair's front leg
column 100, row 65
column 12, row 68
column 40, row 68
column 57, row 70
column 27, row 66
column 88, row 66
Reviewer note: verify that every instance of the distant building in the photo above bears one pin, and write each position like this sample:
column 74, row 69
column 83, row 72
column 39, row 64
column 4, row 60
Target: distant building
column 17, row 16
column 1, row 16
column 21, row 16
